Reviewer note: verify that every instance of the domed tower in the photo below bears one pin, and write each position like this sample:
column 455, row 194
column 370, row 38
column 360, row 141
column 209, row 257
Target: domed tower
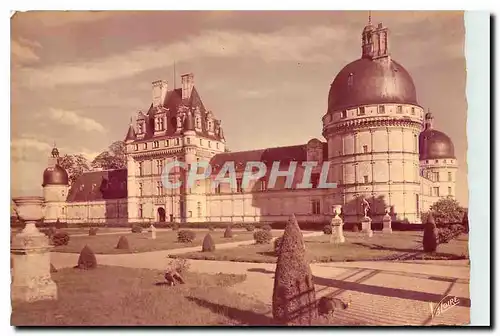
column 55, row 189
column 437, row 160
column 372, row 127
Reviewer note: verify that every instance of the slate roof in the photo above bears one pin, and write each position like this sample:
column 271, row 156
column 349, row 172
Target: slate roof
column 99, row 185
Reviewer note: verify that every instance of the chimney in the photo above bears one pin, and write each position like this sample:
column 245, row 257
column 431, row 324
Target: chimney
column 160, row 88
column 187, row 82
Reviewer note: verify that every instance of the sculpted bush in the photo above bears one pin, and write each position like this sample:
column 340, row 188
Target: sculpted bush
column 327, row 229
column 249, row 227
column 208, row 244
column 430, row 239
column 262, row 237
column 60, row 238
column 92, row 231
column 87, row 259
column 136, row 229
column 294, row 297
column 123, row 243
column 175, row 227
column 266, row 227
column 229, row 232
column 186, row 236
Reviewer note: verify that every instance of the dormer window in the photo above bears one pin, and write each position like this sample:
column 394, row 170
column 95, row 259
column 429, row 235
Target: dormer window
column 145, row 145
column 361, row 111
column 343, row 114
column 177, row 142
column 156, row 144
column 167, row 143
column 400, row 109
column 412, row 111
column 197, row 122
column 381, row 109
column 140, row 128
column 210, row 126
column 136, row 147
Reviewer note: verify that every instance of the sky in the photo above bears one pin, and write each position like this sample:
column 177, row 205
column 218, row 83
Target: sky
column 78, row 77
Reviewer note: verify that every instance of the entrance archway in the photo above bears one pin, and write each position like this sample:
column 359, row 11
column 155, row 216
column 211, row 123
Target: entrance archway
column 161, row 214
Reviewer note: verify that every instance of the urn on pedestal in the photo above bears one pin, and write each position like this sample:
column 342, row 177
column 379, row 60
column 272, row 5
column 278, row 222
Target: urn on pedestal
column 387, row 221
column 30, row 251
column 337, row 224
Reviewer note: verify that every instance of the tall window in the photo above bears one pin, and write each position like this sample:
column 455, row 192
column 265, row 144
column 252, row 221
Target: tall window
column 156, row 144
column 365, row 179
column 412, row 111
column 177, row 142
column 209, row 144
column 239, row 187
column 201, row 142
column 140, row 211
column 449, row 176
column 145, row 145
column 159, row 188
column 167, row 143
column 159, row 166
column 140, row 189
column 435, row 176
column 263, row 185
column 136, row 147
column 399, row 109
column 436, row 191
column 217, row 189
column 343, row 114
column 449, row 190
column 365, row 149
column 316, row 207
column 415, row 143
column 198, row 209
column 141, row 168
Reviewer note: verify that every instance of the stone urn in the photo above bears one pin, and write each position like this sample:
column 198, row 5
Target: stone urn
column 30, row 251
column 337, row 210
column 337, row 225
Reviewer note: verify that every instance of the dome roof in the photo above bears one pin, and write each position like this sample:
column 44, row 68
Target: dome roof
column 56, row 175
column 366, row 81
column 434, row 144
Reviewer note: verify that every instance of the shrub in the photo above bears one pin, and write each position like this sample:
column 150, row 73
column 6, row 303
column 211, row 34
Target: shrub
column 327, row 229
column 60, row 238
column 430, row 239
column 179, row 265
column 211, row 228
column 87, row 259
column 175, row 227
column 208, row 244
column 58, row 224
column 186, row 236
column 249, row 227
column 465, row 222
column 229, row 232
column 266, row 227
column 293, row 282
column 262, row 237
column 92, row 231
column 277, row 245
column 123, row 243
column 136, row 229
column 447, row 234
column 355, row 228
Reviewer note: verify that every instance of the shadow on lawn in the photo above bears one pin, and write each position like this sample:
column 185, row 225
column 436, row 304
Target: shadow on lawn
column 412, row 253
column 260, row 270
column 243, row 316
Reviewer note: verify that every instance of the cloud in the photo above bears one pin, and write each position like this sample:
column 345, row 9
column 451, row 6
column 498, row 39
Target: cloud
column 23, row 51
column 61, row 18
column 297, row 44
column 72, row 119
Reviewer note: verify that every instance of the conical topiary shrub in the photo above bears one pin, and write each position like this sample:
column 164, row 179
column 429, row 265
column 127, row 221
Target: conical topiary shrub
column 208, row 244
column 87, row 259
column 122, row 243
column 429, row 240
column 52, row 268
column 229, row 232
column 294, row 298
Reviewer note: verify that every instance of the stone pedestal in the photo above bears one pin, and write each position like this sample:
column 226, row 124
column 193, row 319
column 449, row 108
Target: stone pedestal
column 366, row 226
column 337, row 235
column 153, row 231
column 30, row 251
column 31, row 279
column 387, row 224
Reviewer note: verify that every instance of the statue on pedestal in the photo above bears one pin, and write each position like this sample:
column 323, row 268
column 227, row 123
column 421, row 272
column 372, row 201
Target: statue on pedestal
column 366, row 207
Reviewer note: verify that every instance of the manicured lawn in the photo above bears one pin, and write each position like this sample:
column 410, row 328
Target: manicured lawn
column 142, row 242
column 358, row 247
column 117, row 296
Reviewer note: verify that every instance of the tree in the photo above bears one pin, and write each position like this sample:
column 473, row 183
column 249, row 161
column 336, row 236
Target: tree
column 447, row 210
column 75, row 165
column 112, row 158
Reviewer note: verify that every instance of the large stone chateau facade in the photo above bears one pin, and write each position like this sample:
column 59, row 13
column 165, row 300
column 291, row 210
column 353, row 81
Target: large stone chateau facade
column 381, row 144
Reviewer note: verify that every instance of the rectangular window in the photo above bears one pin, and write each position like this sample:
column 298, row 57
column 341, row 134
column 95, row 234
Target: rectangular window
column 399, row 109
column 381, row 109
column 198, row 209
column 435, row 176
column 361, row 111
column 141, row 170
column 209, row 144
column 263, row 185
column 449, row 176
column 412, row 111
column 449, row 190
column 140, row 189
column 217, row 145
column 315, row 180
column 343, row 114
column 159, row 188
column 365, row 179
column 145, row 145
column 365, row 149
column 188, row 140
column 436, row 191
column 238, row 185
column 217, row 189
column 201, row 142
column 167, row 143
column 177, row 142
column 140, row 210
column 136, row 147
column 316, row 207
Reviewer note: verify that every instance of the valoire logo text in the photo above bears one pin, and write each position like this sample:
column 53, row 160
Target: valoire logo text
column 445, row 304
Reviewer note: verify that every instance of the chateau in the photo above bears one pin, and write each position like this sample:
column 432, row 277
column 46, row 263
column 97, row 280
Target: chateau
column 381, row 144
